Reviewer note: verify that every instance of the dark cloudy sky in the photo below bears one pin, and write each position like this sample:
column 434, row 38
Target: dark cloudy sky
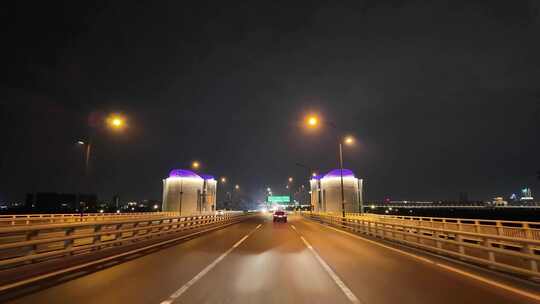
column 444, row 96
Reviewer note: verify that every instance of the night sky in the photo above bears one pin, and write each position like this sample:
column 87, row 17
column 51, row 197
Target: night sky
column 443, row 98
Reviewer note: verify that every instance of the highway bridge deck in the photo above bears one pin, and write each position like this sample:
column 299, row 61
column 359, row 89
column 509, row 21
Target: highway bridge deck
column 258, row 261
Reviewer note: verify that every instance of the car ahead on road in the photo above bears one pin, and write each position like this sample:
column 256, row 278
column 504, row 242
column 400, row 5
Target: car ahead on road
column 280, row 216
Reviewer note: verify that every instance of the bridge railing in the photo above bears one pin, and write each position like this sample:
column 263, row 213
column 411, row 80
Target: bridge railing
column 514, row 229
column 41, row 219
column 528, row 205
column 512, row 254
column 24, row 244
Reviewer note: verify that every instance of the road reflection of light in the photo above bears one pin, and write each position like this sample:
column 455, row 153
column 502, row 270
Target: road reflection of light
column 259, row 272
column 254, row 274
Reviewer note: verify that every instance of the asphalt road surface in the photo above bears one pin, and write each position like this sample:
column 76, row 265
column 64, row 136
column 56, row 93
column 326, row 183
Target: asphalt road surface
column 258, row 261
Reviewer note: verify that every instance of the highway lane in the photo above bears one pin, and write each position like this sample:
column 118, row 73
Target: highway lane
column 143, row 279
column 379, row 275
column 273, row 264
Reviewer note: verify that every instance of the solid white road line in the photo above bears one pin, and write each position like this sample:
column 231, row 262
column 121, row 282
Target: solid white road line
column 447, row 267
column 332, row 274
column 203, row 272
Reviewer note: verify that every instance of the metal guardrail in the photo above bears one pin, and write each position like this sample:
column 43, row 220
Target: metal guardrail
column 26, row 244
column 512, row 254
column 514, row 229
column 451, row 206
column 41, row 219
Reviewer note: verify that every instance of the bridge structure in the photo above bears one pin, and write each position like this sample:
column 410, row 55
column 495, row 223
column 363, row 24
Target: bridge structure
column 432, row 205
column 240, row 257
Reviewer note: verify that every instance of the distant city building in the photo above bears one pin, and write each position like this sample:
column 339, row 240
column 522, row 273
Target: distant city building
column 499, row 201
column 116, row 201
column 189, row 193
column 526, row 195
column 513, row 197
column 11, row 207
column 50, row 202
column 326, row 192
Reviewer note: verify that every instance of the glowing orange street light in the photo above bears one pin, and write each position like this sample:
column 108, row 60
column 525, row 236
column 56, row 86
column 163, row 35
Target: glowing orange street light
column 195, row 165
column 348, row 140
column 116, row 121
column 312, row 121
column 223, row 179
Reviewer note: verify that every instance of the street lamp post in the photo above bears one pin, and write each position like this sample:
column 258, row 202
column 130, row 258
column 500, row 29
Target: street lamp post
column 87, row 150
column 347, row 140
column 223, row 181
column 87, row 146
column 313, row 121
column 310, row 170
column 201, row 197
column 115, row 122
column 341, row 179
column 237, row 190
column 291, row 191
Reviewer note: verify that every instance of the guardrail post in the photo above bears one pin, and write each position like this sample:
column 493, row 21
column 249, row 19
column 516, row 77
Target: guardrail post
column 29, row 236
column 477, row 226
column 528, row 232
column 97, row 238
column 345, row 223
column 365, row 226
column 491, row 254
column 68, row 244
column 438, row 243
column 461, row 248
column 499, row 227
column 118, row 234
column 533, row 264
